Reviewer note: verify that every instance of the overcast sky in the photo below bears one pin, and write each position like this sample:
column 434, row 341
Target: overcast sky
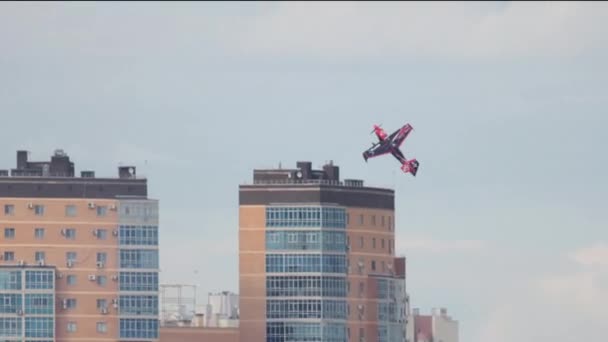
column 503, row 224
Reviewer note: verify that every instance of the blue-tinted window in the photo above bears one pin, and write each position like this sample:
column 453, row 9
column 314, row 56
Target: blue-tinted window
column 10, row 327
column 306, row 240
column 305, row 217
column 305, row 286
column 138, row 328
column 41, row 280
column 139, row 305
column 39, row 304
column 39, row 327
column 297, row 263
column 293, row 308
column 138, row 258
column 10, row 303
column 10, row 280
column 138, row 235
column 138, row 281
column 279, row 331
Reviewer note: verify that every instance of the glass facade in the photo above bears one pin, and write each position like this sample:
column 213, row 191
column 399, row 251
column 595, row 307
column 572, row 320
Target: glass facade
column 390, row 324
column 138, row 278
column 306, row 270
column 27, row 304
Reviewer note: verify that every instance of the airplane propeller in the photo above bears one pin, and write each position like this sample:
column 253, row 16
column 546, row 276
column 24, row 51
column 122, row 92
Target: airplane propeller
column 373, row 130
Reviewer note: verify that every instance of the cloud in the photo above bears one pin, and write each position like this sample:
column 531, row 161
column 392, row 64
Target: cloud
column 414, row 244
column 596, row 255
column 355, row 30
column 564, row 306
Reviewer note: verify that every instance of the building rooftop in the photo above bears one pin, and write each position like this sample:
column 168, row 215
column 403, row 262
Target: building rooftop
column 57, row 178
column 273, row 186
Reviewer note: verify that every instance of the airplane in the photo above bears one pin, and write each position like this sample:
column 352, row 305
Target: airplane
column 390, row 144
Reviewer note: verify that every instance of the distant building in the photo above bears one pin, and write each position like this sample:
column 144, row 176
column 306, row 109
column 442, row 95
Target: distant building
column 79, row 254
column 222, row 310
column 317, row 259
column 436, row 327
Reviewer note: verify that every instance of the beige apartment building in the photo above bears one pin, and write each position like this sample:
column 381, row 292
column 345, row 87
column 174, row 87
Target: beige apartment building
column 78, row 255
column 317, row 259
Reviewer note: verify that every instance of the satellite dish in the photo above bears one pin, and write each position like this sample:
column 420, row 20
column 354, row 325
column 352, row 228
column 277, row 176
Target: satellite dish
column 131, row 171
column 299, row 174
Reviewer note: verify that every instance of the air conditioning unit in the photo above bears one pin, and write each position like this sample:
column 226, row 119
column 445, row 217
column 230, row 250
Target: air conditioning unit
column 70, row 263
column 114, row 301
column 104, row 311
column 360, row 307
column 41, row 262
column 63, row 232
column 115, row 232
column 20, row 312
column 21, row 262
column 113, row 207
column 91, row 205
column 30, row 205
column 100, row 264
column 95, row 232
column 65, row 304
column 115, row 277
column 59, row 275
column 92, row 277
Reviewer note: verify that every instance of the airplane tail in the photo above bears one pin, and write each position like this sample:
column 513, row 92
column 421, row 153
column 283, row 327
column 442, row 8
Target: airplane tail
column 410, row 166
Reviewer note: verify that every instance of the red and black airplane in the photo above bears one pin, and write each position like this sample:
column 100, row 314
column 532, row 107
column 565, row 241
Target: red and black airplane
column 390, row 144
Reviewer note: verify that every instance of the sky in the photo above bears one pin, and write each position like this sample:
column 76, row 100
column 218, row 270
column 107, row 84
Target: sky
column 503, row 224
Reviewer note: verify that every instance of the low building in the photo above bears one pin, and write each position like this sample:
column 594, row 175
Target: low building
column 436, row 327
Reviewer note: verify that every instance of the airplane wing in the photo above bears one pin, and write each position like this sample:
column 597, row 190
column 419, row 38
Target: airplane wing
column 377, row 150
column 398, row 137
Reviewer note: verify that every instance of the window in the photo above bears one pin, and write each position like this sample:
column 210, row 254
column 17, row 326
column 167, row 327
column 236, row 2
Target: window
column 70, row 233
column 102, row 257
column 70, row 303
column 390, row 246
column 70, row 210
column 39, row 233
column 102, row 303
column 9, row 233
column 374, row 243
column 39, row 327
column 71, row 279
column 9, row 209
column 9, row 256
column 138, row 235
column 361, row 219
column 383, row 266
column 373, row 265
column 102, row 210
column 71, row 257
column 39, row 304
column 39, row 210
column 71, row 327
column 101, row 280
column 138, row 281
column 138, row 305
column 382, row 221
column 39, row 280
column 361, row 242
column 390, row 222
column 102, row 327
column 374, row 220
column 102, row 234
column 138, row 328
column 40, row 256
column 382, row 243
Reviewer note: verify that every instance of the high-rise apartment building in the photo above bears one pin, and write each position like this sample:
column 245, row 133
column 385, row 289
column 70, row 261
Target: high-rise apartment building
column 317, row 259
column 78, row 255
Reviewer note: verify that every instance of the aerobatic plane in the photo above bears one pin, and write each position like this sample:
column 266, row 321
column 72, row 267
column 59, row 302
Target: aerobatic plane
column 390, row 144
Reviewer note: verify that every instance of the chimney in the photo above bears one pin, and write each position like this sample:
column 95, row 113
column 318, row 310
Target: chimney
column 87, row 174
column 21, row 160
column 126, row 172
